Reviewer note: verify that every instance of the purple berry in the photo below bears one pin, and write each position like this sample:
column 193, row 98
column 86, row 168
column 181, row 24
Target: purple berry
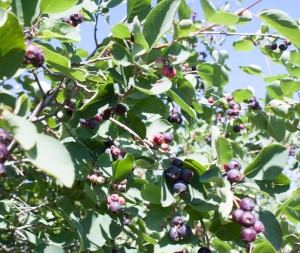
column 169, row 71
column 247, row 219
column 204, row 250
column 168, row 137
column 234, row 164
column 273, row 46
column 234, row 175
column 4, row 135
column 3, row 152
column 178, row 220
column 283, row 47
column 34, row 56
column 254, row 105
column 120, row 109
column 106, row 114
column 231, row 104
column 247, row 204
column 177, row 162
column 236, row 129
column 127, row 222
column 180, row 187
column 77, row 18
column 186, row 175
column 252, row 99
column 115, row 207
column 173, row 234
column 236, row 214
column 172, row 173
column 248, row 235
column 258, row 226
column 185, row 230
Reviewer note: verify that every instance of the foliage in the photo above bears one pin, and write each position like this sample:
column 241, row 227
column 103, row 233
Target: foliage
column 101, row 152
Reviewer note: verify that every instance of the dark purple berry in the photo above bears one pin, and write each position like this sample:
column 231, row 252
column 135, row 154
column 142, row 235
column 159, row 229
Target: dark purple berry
column 173, row 118
column 234, row 164
column 232, row 112
column 92, row 123
column 177, row 162
column 83, row 122
column 185, row 230
column 234, row 175
column 127, row 222
column 252, row 99
column 231, row 104
column 168, row 137
column 283, row 47
column 34, row 56
column 106, row 114
column 236, row 215
column 2, row 170
column 229, row 98
column 273, row 46
column 115, row 207
column 186, row 175
column 180, row 187
column 247, row 219
column 236, row 129
column 204, row 250
column 248, row 235
column 3, row 152
column 254, row 105
column 120, row 109
column 258, row 226
column 247, row 204
column 173, row 234
column 177, row 220
column 77, row 18
column 172, row 173
column 169, row 71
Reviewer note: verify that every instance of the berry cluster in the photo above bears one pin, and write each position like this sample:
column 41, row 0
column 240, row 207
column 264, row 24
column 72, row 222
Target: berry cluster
column 115, row 203
column 234, row 108
column 34, row 56
column 204, row 250
column 96, row 178
column 245, row 217
column 116, row 152
column 233, row 169
column 282, row 47
column 162, row 140
column 253, row 103
column 175, row 117
column 91, row 123
column 167, row 70
column 5, row 137
column 74, row 19
column 119, row 110
column 179, row 230
column 180, row 177
column 121, row 186
column 126, row 220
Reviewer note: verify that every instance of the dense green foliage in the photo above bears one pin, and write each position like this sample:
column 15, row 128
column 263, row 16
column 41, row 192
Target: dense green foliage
column 85, row 163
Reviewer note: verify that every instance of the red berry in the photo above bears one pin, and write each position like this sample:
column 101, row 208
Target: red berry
column 168, row 137
column 158, row 138
column 114, row 197
column 121, row 200
column 169, row 71
column 210, row 100
column 165, row 146
column 115, row 151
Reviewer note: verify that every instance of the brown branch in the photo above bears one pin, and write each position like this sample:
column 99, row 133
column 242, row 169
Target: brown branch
column 205, row 233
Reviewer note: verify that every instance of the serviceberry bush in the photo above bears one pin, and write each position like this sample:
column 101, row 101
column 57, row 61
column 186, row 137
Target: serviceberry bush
column 135, row 143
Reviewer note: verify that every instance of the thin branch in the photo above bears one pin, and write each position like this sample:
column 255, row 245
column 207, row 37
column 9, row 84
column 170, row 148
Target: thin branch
column 96, row 29
column 83, row 87
column 205, row 233
column 36, row 78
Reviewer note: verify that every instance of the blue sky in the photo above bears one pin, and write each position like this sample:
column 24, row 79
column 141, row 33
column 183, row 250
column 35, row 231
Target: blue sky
column 238, row 79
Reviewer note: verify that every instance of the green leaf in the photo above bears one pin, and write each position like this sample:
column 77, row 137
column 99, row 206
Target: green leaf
column 243, row 45
column 184, row 11
column 291, row 207
column 241, row 95
column 53, row 6
column 52, row 157
column 269, row 163
column 252, row 70
column 224, row 150
column 283, row 23
column 43, row 248
column 138, row 9
column 208, row 8
column 135, row 123
column 276, row 127
column 23, row 130
column 140, row 44
column 120, row 31
column 12, row 46
column 214, row 74
column 281, row 108
column 151, row 193
column 166, row 196
column 180, row 52
column 121, row 54
column 122, row 168
column 158, row 126
column 179, row 99
column 194, row 165
column 159, row 87
column 223, row 18
column 262, row 245
column 289, row 86
column 272, row 231
column 26, row 11
column 160, row 20
column 226, row 205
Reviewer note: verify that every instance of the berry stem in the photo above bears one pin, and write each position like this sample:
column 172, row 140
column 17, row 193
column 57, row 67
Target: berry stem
column 205, row 233
column 250, row 247
column 236, row 202
column 36, row 78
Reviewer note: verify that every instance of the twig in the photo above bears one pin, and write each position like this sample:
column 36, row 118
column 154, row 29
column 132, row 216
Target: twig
column 36, row 78
column 83, row 87
column 205, row 233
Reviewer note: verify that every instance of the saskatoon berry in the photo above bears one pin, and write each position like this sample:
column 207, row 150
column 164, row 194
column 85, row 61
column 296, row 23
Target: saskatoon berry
column 100, row 180
column 236, row 129
column 231, row 104
column 283, row 47
column 168, row 137
column 236, row 215
column 258, row 226
column 242, row 126
column 77, row 18
column 229, row 98
column 106, row 114
column 173, row 234
column 210, row 100
column 114, row 197
column 234, row 164
column 4, row 135
column 186, row 175
column 178, row 220
column 115, row 207
column 160, row 62
column 165, row 146
column 247, row 219
column 273, row 46
column 173, row 173
column 185, row 230
column 252, row 99
column 121, row 200
column 34, row 56
column 234, row 175
column 254, row 105
column 92, row 123
column 158, row 138
column 127, row 222
column 93, row 178
column 180, row 187
column 169, row 71
column 3, row 152
column 2, row 170
column 204, row 250
column 248, row 235
column 115, row 151
column 247, row 204
column 120, row 109
column 232, row 112
column 177, row 162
